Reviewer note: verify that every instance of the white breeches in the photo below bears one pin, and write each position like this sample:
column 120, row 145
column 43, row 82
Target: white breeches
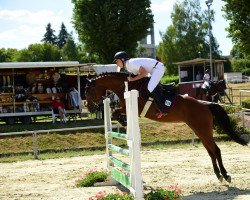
column 156, row 76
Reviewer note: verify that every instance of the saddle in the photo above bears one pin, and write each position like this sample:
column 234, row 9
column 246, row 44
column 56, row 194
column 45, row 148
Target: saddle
column 168, row 93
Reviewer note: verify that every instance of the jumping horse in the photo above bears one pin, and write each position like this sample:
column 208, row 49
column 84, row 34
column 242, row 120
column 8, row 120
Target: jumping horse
column 198, row 115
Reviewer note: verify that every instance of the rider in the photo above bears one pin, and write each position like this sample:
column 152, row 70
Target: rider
column 141, row 67
column 206, row 78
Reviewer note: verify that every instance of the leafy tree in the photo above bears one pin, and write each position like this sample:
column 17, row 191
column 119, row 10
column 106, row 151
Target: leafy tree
column 238, row 13
column 69, row 50
column 86, row 57
column 236, row 52
column 240, row 65
column 62, row 36
column 36, row 52
column 140, row 51
column 8, row 55
column 24, row 55
column 51, row 52
column 108, row 26
column 39, row 53
column 187, row 37
column 49, row 36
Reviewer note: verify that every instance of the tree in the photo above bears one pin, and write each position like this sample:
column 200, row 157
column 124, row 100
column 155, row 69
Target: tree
column 238, row 13
column 86, row 57
column 49, row 36
column 39, row 53
column 24, row 55
column 62, row 36
column 8, row 55
column 51, row 52
column 108, row 26
column 187, row 37
column 69, row 50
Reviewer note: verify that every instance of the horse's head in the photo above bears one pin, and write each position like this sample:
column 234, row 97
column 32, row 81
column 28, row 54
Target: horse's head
column 218, row 87
column 221, row 85
column 96, row 88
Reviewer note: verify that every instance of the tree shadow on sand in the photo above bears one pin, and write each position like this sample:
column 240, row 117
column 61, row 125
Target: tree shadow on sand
column 230, row 194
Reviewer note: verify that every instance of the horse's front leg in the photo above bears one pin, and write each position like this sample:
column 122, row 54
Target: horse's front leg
column 120, row 116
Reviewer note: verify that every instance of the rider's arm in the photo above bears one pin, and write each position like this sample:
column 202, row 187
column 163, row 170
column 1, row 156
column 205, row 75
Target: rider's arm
column 142, row 73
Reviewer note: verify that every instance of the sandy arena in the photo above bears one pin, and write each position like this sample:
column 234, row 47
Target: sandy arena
column 189, row 167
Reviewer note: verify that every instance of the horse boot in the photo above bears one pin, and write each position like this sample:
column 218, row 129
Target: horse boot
column 159, row 101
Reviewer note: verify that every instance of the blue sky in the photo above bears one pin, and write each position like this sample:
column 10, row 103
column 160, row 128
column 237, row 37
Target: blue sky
column 23, row 22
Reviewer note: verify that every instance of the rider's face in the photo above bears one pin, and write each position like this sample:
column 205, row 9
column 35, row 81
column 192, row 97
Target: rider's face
column 119, row 63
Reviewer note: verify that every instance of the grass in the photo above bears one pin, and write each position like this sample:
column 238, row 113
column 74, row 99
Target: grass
column 47, row 125
column 58, row 145
column 78, row 139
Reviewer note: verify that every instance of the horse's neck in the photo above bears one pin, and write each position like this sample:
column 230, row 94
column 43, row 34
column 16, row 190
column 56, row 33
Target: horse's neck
column 116, row 85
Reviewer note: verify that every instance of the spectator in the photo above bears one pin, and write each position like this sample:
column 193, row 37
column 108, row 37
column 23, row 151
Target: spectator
column 198, row 76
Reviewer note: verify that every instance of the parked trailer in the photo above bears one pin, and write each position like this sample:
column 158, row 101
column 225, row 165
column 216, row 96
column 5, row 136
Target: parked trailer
column 26, row 88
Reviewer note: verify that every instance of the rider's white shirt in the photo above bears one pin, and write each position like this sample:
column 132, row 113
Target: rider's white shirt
column 206, row 79
column 133, row 65
column 156, row 71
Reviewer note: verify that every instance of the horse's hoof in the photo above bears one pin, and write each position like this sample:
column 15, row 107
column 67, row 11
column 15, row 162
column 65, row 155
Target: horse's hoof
column 228, row 179
column 220, row 178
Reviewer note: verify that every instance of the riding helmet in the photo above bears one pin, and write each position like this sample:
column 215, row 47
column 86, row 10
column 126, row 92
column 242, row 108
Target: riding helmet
column 121, row 55
column 207, row 71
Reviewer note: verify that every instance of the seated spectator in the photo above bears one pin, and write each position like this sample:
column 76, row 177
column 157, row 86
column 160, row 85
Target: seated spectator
column 58, row 107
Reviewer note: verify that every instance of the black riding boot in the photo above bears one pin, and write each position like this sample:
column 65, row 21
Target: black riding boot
column 159, row 101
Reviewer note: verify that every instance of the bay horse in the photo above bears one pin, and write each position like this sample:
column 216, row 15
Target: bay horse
column 196, row 114
column 216, row 87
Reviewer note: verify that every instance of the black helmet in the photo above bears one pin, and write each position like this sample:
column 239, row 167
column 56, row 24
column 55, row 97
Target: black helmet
column 120, row 55
column 207, row 71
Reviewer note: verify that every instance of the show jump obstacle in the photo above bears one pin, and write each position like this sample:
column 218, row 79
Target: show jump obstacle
column 129, row 175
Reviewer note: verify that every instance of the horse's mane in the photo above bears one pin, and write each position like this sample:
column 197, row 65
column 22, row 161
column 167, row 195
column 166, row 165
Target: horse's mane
column 118, row 75
column 110, row 74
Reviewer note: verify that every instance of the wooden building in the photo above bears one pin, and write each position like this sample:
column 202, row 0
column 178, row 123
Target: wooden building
column 188, row 70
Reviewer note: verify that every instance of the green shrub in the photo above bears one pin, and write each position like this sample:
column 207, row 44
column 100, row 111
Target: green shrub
column 170, row 79
column 163, row 194
column 233, row 109
column 171, row 193
column 118, row 197
column 246, row 104
column 92, row 178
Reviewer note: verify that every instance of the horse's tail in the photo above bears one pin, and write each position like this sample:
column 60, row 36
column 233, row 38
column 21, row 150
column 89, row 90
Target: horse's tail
column 222, row 118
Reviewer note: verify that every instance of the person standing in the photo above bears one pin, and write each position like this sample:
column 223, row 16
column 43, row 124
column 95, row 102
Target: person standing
column 141, row 67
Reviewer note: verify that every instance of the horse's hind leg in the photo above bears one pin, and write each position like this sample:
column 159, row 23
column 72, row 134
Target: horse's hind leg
column 215, row 154
column 222, row 168
column 214, row 162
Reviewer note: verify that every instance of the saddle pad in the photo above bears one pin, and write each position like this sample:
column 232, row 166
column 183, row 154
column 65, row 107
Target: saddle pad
column 169, row 99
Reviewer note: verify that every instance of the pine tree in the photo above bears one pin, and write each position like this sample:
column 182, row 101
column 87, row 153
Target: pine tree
column 69, row 50
column 62, row 36
column 49, row 36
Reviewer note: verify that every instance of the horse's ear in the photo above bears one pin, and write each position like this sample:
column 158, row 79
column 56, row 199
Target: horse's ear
column 88, row 82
